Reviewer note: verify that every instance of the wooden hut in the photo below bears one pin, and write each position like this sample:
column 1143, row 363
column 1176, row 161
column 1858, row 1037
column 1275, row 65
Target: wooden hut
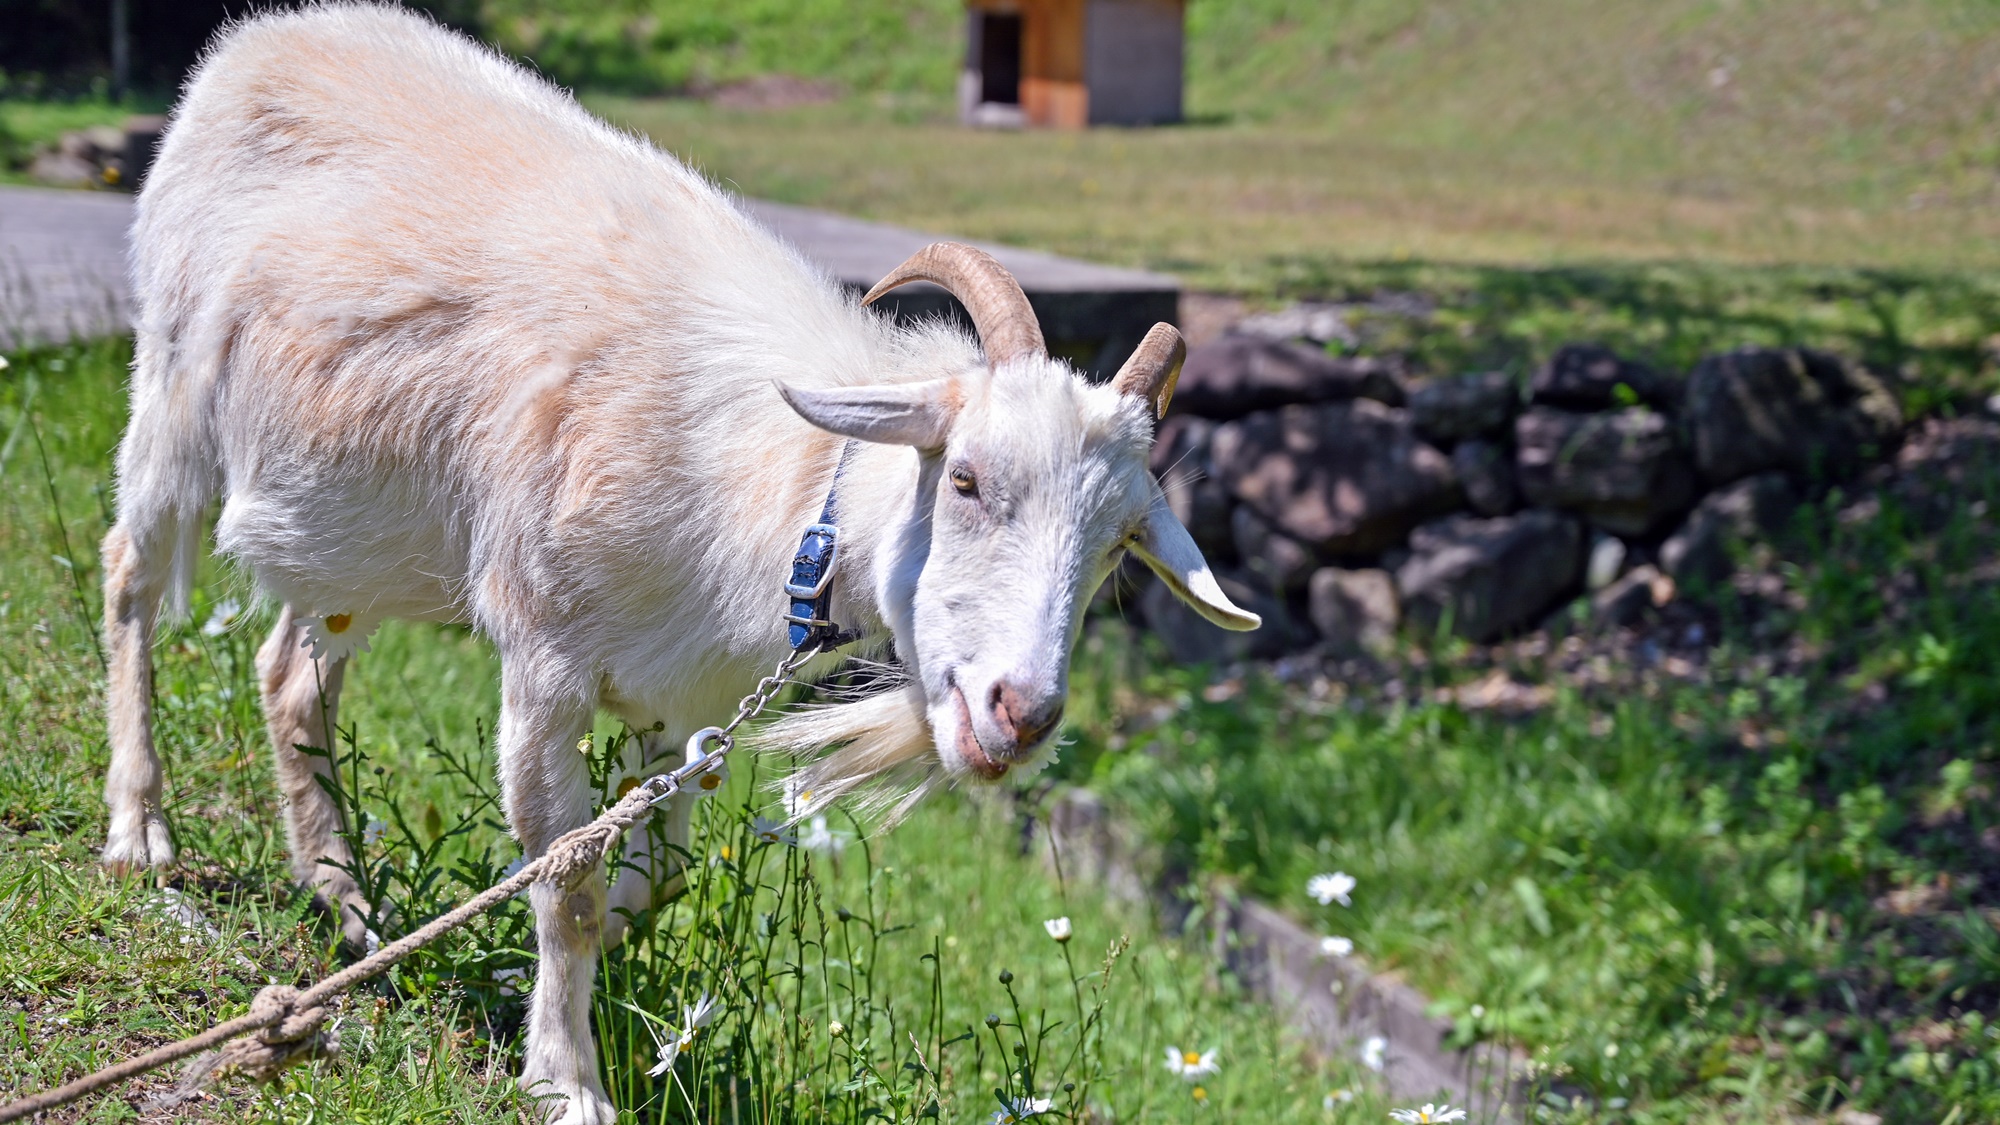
column 1068, row 64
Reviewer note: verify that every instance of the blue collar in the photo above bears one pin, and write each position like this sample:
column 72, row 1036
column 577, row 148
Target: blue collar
column 811, row 587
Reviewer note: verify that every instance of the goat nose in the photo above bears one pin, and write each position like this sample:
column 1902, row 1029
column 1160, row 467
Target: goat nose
column 1027, row 722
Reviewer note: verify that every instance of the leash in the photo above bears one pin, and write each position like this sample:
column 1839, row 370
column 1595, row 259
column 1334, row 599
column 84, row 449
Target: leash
column 288, row 1022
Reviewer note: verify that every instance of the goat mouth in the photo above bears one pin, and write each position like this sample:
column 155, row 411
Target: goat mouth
column 969, row 749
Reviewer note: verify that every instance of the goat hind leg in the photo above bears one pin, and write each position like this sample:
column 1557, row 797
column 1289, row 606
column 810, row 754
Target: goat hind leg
column 133, row 586
column 301, row 697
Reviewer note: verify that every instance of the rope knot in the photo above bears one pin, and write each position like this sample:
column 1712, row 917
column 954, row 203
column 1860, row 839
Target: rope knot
column 297, row 1035
column 576, row 854
column 292, row 1025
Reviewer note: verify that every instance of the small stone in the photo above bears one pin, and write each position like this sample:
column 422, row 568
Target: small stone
column 1355, row 611
column 1344, row 478
column 1470, row 406
column 1623, row 601
column 1486, row 577
column 1813, row 415
column 1238, row 375
column 1317, row 321
column 1607, row 560
column 1588, row 377
column 1284, row 563
column 1622, row 470
column 1485, row 470
column 1753, row 507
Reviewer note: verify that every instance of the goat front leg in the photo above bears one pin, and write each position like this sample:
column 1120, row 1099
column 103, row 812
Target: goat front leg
column 545, row 790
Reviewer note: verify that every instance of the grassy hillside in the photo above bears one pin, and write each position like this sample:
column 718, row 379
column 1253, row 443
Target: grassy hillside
column 1535, row 131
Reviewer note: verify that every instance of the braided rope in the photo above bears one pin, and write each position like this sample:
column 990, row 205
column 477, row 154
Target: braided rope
column 289, row 1021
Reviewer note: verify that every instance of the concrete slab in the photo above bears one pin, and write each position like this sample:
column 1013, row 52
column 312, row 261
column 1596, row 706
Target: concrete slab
column 1092, row 314
column 62, row 273
column 62, row 264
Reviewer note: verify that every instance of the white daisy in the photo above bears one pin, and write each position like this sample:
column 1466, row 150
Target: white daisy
column 711, row 780
column 1058, row 928
column 772, row 831
column 1191, row 1065
column 1330, row 888
column 1429, row 1115
column 822, row 839
column 692, row 1021
column 1020, row 1109
column 799, row 800
column 1338, row 1097
column 336, row 636
column 1375, row 1053
column 374, row 832
column 222, row 617
column 1331, row 946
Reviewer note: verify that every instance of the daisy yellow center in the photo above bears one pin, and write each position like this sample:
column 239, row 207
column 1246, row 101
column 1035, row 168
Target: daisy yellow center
column 1191, row 1058
column 725, row 851
column 711, row 781
column 338, row 622
column 627, row 785
column 1200, row 1093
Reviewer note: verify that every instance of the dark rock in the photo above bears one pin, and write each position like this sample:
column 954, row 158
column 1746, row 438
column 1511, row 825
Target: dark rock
column 1180, row 460
column 1626, row 600
column 1758, row 506
column 1355, row 611
column 1623, row 470
column 1237, row 375
column 1485, row 471
column 1587, row 377
column 1816, row 416
column 1471, row 406
column 1283, row 563
column 1346, row 478
column 1192, row 639
column 1488, row 577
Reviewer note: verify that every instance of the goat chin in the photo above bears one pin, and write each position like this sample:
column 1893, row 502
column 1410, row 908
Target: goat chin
column 883, row 754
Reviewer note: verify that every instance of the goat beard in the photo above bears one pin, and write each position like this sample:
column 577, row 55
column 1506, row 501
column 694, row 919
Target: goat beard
column 884, row 756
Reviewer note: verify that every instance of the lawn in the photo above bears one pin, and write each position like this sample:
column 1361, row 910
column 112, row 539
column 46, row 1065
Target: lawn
column 927, row 944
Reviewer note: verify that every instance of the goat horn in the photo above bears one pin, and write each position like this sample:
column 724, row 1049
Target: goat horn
column 1007, row 325
column 1154, row 368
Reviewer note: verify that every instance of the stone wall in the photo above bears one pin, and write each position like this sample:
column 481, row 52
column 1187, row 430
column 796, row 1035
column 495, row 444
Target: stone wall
column 1346, row 499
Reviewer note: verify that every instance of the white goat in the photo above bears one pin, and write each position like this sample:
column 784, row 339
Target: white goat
column 449, row 349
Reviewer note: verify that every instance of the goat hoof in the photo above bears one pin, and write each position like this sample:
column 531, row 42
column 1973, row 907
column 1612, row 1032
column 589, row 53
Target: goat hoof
column 138, row 846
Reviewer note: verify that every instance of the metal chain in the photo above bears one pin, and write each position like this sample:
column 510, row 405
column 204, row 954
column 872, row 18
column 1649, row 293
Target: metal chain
column 700, row 758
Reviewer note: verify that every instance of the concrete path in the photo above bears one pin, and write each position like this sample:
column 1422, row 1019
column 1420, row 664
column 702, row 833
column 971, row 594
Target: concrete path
column 62, row 273
column 62, row 264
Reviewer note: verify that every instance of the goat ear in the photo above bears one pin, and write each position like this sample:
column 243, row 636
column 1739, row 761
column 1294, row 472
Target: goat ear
column 1169, row 550
column 918, row 414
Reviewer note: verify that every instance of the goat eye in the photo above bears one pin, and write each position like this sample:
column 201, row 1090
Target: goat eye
column 961, row 479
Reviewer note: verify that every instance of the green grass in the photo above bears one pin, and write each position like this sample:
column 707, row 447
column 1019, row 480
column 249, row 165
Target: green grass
column 905, row 934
